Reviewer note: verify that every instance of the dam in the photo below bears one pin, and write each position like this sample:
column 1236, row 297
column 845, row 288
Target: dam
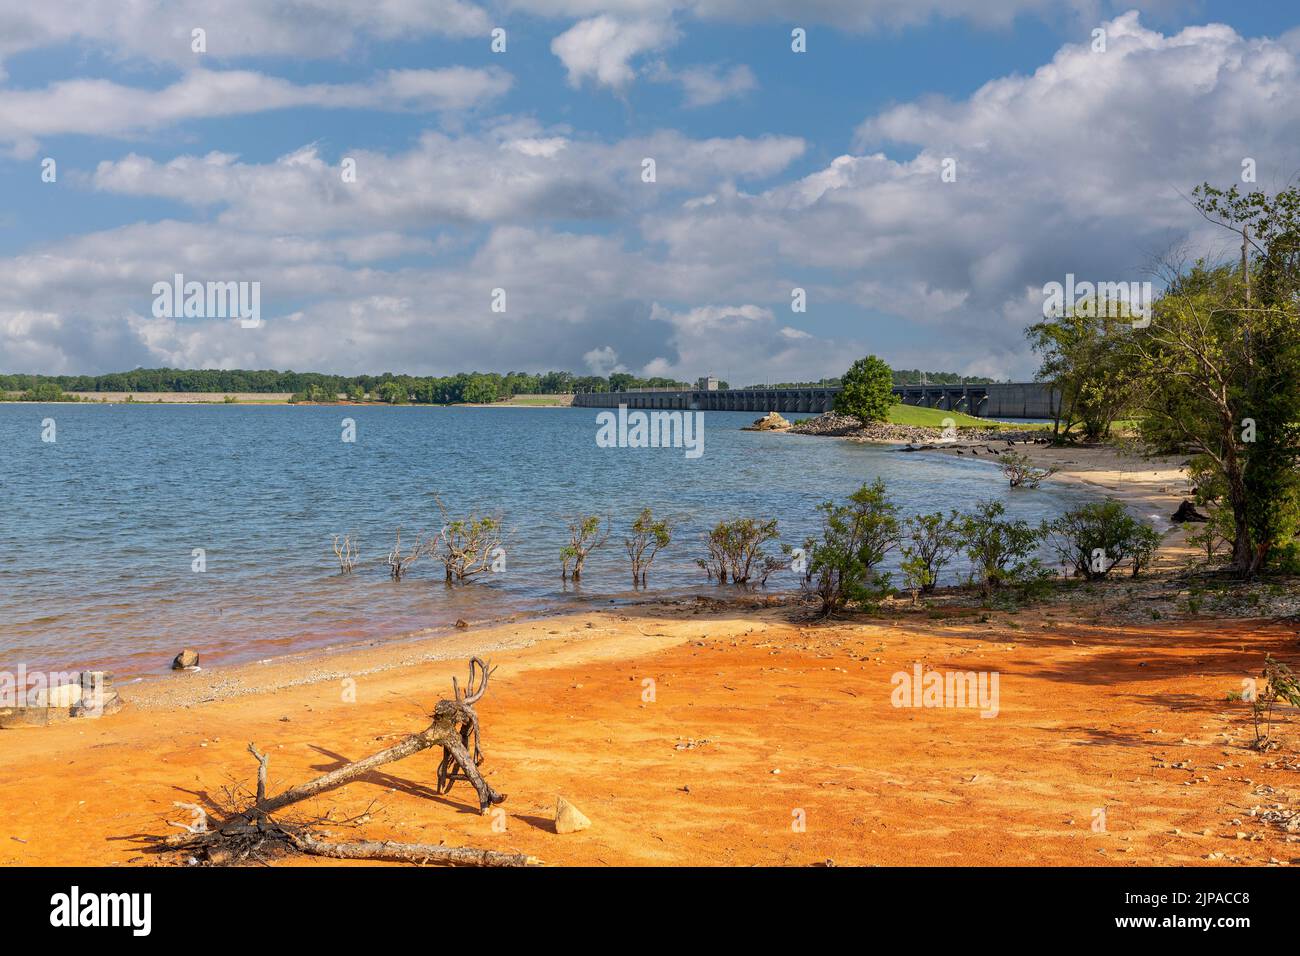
column 999, row 400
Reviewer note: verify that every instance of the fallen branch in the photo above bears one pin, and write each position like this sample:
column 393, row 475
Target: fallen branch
column 251, row 832
column 411, row 853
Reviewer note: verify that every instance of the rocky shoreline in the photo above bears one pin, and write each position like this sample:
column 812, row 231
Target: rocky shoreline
column 835, row 425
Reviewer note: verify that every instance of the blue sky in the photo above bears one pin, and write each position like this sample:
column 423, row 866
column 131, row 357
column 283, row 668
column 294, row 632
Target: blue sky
column 521, row 170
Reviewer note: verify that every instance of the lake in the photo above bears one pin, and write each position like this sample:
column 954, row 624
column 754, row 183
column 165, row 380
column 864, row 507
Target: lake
column 98, row 528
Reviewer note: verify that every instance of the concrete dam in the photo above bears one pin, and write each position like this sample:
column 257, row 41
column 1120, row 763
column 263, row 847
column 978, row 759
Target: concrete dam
column 1009, row 400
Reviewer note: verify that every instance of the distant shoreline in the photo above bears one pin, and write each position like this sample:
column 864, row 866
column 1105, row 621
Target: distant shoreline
column 252, row 398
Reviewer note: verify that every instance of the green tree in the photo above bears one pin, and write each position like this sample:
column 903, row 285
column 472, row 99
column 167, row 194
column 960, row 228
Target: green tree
column 736, row 551
column 585, row 536
column 1220, row 368
column 855, row 539
column 1086, row 359
column 866, row 390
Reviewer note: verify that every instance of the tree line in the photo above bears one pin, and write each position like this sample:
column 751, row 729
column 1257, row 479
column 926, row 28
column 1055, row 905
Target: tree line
column 471, row 387
column 463, row 387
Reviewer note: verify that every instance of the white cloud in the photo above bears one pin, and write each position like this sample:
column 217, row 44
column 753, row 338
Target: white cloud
column 160, row 30
column 1076, row 168
column 105, row 108
column 707, row 85
column 602, row 361
column 514, row 174
column 601, row 49
column 857, row 15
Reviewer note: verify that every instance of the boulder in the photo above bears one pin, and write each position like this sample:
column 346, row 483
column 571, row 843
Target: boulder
column 88, row 694
column 772, row 421
column 187, row 659
column 65, row 696
column 99, row 697
column 568, row 818
column 1187, row 512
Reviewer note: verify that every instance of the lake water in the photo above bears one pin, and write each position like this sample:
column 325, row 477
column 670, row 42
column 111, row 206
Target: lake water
column 98, row 528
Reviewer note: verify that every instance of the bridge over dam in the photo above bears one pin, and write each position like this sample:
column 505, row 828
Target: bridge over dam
column 1004, row 400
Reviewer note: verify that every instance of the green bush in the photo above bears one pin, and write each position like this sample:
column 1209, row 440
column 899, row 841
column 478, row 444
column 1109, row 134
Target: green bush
column 736, row 551
column 929, row 543
column 1001, row 551
column 1100, row 536
column 867, row 390
column 855, row 539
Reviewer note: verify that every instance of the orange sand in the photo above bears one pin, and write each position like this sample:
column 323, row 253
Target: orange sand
column 1132, row 719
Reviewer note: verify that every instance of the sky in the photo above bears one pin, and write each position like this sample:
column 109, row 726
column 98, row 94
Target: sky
column 381, row 168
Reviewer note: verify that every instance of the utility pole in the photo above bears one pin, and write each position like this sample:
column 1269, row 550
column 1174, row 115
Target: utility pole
column 1245, row 267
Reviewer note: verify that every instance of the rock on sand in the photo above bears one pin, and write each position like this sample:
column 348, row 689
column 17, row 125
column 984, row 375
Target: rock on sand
column 568, row 818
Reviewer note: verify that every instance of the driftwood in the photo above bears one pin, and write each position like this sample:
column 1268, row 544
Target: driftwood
column 252, row 832
column 411, row 853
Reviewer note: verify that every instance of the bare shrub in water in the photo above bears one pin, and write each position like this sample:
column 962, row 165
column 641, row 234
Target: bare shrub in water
column 1021, row 472
column 346, row 552
column 399, row 563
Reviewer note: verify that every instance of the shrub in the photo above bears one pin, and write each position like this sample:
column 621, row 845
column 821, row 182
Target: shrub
column 1214, row 537
column 585, row 536
column 466, row 546
column 1001, row 551
column 929, row 543
column 867, row 390
column 399, row 563
column 855, row 539
column 736, row 551
column 1280, row 683
column 1021, row 472
column 1097, row 537
column 649, row 537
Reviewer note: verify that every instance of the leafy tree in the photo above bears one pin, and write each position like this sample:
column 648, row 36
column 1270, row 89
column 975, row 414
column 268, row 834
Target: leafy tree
column 855, row 539
column 866, row 390
column 1223, row 380
column 1085, row 358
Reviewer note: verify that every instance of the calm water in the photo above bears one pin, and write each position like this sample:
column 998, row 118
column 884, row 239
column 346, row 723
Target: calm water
column 97, row 529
